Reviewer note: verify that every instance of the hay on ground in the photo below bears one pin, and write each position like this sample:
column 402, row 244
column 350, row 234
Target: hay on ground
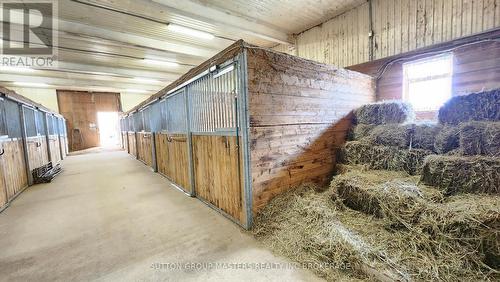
column 460, row 174
column 384, row 113
column 446, row 242
column 423, row 136
column 383, row 157
column 483, row 106
column 480, row 138
column 447, row 139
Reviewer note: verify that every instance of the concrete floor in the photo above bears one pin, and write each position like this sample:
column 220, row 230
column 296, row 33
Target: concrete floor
column 108, row 217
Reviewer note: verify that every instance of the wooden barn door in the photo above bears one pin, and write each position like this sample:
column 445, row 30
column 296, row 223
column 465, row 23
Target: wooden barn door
column 216, row 144
column 80, row 108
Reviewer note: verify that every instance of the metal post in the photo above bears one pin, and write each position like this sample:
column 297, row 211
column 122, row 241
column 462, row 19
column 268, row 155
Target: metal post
column 244, row 128
column 47, row 137
column 189, row 136
column 153, row 151
column 60, row 137
column 25, row 145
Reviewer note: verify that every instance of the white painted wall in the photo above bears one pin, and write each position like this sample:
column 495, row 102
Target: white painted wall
column 44, row 96
column 130, row 100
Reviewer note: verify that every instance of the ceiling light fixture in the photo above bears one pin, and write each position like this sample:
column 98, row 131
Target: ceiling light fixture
column 146, row 80
column 162, row 63
column 31, row 84
column 190, row 31
column 135, row 91
column 16, row 69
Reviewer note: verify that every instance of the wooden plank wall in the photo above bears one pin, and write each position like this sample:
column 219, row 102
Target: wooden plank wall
column 172, row 158
column 80, row 110
column 132, row 144
column 125, row 141
column 217, row 173
column 145, row 147
column 398, row 26
column 299, row 114
column 37, row 152
column 13, row 167
column 476, row 68
column 55, row 152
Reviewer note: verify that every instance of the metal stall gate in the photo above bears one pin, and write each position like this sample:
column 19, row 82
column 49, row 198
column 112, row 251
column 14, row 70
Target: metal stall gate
column 217, row 163
column 133, row 128
column 172, row 142
column 61, row 131
column 53, row 139
column 145, row 137
column 36, row 141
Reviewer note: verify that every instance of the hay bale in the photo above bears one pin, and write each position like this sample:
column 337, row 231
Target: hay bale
column 483, row 106
column 361, row 131
column 457, row 174
column 384, row 113
column 390, row 135
column 381, row 193
column 447, row 139
column 383, row 157
column 473, row 221
column 423, row 136
column 480, row 138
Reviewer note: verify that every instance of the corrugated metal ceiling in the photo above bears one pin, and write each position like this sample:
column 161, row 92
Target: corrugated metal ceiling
column 116, row 36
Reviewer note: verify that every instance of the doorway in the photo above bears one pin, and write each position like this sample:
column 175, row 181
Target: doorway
column 109, row 129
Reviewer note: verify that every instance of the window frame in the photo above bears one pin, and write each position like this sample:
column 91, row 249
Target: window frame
column 407, row 81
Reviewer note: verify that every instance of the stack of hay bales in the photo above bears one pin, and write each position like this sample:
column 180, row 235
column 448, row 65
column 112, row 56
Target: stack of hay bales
column 385, row 218
column 385, row 138
column 472, row 139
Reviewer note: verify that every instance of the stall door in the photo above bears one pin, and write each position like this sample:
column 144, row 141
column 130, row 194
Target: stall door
column 172, row 143
column 215, row 142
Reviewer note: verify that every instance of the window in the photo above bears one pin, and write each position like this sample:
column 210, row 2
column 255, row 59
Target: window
column 427, row 83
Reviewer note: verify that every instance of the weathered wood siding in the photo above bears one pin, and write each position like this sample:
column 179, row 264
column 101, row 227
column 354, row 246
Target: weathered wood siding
column 172, row 158
column 299, row 114
column 37, row 152
column 145, row 147
column 14, row 166
column 398, row 26
column 132, row 144
column 55, row 151
column 217, row 173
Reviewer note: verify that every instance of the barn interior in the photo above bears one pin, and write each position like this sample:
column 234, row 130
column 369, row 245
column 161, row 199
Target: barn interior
column 161, row 140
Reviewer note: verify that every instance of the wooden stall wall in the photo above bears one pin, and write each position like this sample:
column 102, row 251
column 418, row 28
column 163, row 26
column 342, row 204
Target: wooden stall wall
column 80, row 109
column 125, row 141
column 55, row 152
column 172, row 158
column 299, row 114
column 132, row 144
column 476, row 67
column 37, row 152
column 13, row 167
column 145, row 147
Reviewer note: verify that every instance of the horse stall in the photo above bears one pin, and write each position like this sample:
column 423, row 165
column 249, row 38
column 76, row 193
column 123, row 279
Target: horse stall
column 29, row 139
column 251, row 123
column 131, row 137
